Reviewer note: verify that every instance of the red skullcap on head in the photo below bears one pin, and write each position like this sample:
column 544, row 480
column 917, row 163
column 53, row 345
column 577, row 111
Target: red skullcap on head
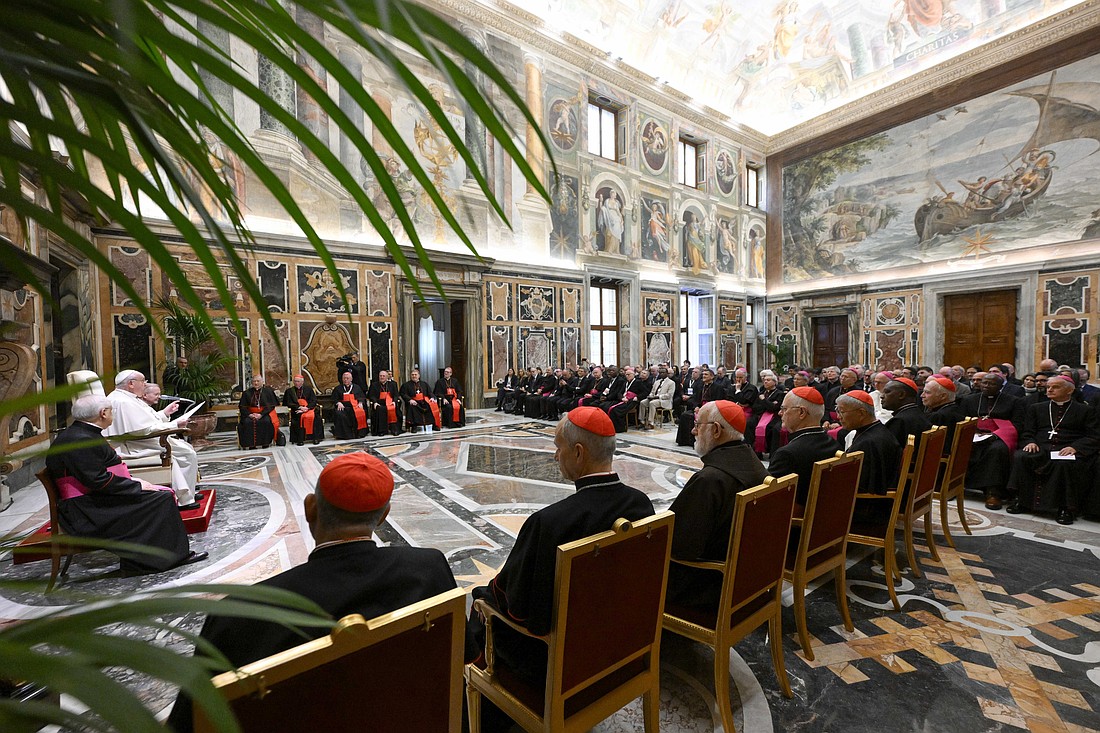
column 731, row 413
column 298, row 376
column 860, row 395
column 944, row 382
column 809, row 394
column 356, row 482
column 889, row 375
column 592, row 419
column 907, row 382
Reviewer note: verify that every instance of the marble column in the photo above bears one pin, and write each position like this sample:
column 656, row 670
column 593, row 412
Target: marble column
column 310, row 113
column 220, row 90
column 535, row 153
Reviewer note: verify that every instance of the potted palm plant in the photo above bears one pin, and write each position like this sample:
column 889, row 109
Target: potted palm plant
column 203, row 379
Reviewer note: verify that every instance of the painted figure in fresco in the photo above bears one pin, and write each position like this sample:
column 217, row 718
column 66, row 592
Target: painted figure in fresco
column 749, row 71
column 725, row 172
column 727, row 243
column 563, row 130
column 695, row 247
column 756, row 251
column 656, row 233
column 610, row 223
column 786, row 29
column 654, row 145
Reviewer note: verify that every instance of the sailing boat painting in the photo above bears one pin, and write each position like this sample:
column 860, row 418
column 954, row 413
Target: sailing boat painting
column 978, row 182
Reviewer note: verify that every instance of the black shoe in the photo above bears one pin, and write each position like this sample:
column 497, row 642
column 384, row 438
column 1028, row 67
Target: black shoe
column 317, row 442
column 1065, row 516
column 193, row 557
column 199, row 496
column 188, row 507
column 299, row 443
column 1014, row 507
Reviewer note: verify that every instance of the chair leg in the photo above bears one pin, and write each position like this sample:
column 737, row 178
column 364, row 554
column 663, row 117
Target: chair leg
column 800, row 619
column 651, row 710
column 473, row 707
column 945, row 502
column 722, row 687
column 929, row 541
column 840, row 579
column 55, row 565
column 889, row 561
column 65, row 567
column 910, row 550
column 775, row 631
column 962, row 512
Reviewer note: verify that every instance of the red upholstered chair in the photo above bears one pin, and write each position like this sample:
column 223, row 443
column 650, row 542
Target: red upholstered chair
column 604, row 643
column 395, row 673
column 953, row 475
column 911, row 499
column 752, row 585
column 819, row 540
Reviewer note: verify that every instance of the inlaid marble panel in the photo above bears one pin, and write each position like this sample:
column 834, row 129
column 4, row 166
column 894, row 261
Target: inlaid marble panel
column 379, row 285
column 133, row 263
column 1071, row 294
column 658, row 347
column 1066, row 340
column 537, row 347
column 500, row 357
column 322, row 343
column 498, row 301
column 658, row 312
column 272, row 277
column 570, row 347
column 133, row 340
column 570, row 305
column 275, row 365
column 381, row 347
column 317, row 292
column 890, row 329
column 536, row 303
column 731, row 351
column 889, row 349
column 731, row 317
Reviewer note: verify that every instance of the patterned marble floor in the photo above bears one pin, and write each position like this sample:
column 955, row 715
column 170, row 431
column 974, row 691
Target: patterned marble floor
column 1002, row 634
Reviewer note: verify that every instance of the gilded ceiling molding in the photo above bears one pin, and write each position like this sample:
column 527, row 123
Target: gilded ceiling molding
column 526, row 28
column 1003, row 50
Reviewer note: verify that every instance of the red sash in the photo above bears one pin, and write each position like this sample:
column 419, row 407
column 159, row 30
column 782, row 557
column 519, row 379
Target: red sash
column 70, row 488
column 391, row 408
column 306, row 418
column 274, row 417
column 360, row 413
column 436, row 417
column 761, row 445
column 455, row 404
column 1003, row 429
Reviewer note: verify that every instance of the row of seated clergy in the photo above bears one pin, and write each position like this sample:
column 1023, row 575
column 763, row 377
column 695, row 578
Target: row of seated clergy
column 135, row 419
column 384, row 400
column 99, row 499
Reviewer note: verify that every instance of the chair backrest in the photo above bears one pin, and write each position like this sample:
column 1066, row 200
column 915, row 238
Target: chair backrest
column 758, row 541
column 610, row 596
column 829, row 506
column 925, row 471
column 53, row 496
column 962, row 444
column 93, row 385
column 398, row 672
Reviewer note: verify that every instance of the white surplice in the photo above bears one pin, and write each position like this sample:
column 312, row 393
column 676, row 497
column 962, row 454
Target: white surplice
column 133, row 415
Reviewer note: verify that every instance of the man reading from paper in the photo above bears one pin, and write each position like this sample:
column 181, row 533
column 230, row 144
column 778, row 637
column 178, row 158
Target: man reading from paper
column 134, row 417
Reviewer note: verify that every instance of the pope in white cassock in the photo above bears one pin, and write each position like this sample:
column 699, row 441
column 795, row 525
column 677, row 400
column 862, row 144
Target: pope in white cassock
column 133, row 415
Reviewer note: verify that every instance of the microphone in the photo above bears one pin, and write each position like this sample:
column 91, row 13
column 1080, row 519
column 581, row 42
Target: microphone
column 173, row 397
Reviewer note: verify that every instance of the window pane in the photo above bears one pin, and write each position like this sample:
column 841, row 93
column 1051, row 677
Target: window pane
column 706, row 348
column 610, row 348
column 752, row 186
column 683, row 346
column 607, row 134
column 610, row 317
column 748, row 312
column 594, row 308
column 687, row 164
column 706, row 313
column 594, row 348
column 593, row 129
column 683, row 311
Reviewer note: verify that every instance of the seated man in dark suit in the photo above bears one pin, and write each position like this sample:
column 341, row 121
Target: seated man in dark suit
column 881, row 453
column 99, row 499
column 900, row 398
column 346, row 572
column 524, row 587
column 801, row 415
column 704, row 508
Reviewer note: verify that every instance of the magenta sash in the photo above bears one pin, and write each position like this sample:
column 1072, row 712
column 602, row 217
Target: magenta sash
column 834, row 432
column 748, row 412
column 70, row 488
column 761, row 444
column 1003, row 429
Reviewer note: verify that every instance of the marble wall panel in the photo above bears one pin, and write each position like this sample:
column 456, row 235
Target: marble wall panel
column 537, row 347
column 500, row 356
column 322, row 343
column 658, row 347
column 732, row 351
column 536, row 303
column 785, row 322
column 890, row 329
column 498, row 301
column 272, row 277
column 658, row 311
column 380, row 335
column 275, row 364
column 570, row 305
column 133, row 343
column 1068, row 318
column 379, row 286
column 570, row 347
column 134, row 265
column 318, row 293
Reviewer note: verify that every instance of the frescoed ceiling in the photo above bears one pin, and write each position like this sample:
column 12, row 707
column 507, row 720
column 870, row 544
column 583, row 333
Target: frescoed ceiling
column 773, row 64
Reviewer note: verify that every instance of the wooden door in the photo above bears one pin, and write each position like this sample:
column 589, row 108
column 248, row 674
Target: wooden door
column 980, row 328
column 830, row 341
column 458, row 344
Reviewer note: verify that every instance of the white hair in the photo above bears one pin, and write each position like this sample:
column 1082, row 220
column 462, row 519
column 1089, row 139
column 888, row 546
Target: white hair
column 849, row 401
column 938, row 389
column 728, row 431
column 600, row 447
column 812, row 409
column 88, row 408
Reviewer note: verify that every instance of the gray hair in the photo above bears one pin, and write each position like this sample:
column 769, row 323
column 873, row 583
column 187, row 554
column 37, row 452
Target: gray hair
column 852, row 402
column 88, row 408
column 768, row 373
column 150, row 386
column 601, row 448
column 938, row 389
column 814, row 410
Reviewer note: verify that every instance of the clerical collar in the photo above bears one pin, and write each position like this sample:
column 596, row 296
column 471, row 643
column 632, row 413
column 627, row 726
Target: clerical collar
column 597, row 480
column 905, row 407
column 347, row 540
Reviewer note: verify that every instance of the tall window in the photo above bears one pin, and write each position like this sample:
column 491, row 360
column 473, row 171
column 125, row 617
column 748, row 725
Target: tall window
column 691, row 161
column 604, row 305
column 752, row 186
column 697, row 328
column 602, row 125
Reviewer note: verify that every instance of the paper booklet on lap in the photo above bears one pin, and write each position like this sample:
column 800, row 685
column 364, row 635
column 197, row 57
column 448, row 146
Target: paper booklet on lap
column 1056, row 456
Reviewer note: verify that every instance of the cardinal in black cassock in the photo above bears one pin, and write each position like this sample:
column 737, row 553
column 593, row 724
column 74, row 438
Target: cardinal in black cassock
column 451, row 399
column 305, row 413
column 258, row 424
column 349, row 413
column 385, row 400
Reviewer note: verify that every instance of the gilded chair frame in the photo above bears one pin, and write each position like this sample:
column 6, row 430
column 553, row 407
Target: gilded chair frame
column 741, row 610
column 256, row 685
column 953, row 475
column 620, row 547
column 822, row 548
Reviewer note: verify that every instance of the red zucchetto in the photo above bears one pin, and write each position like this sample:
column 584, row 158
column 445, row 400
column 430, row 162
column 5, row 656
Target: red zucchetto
column 809, row 394
column 732, row 413
column 592, row 419
column 860, row 395
column 356, row 482
column 944, row 382
column 907, row 382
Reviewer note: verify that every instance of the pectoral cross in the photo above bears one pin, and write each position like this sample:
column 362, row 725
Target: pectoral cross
column 1052, row 433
